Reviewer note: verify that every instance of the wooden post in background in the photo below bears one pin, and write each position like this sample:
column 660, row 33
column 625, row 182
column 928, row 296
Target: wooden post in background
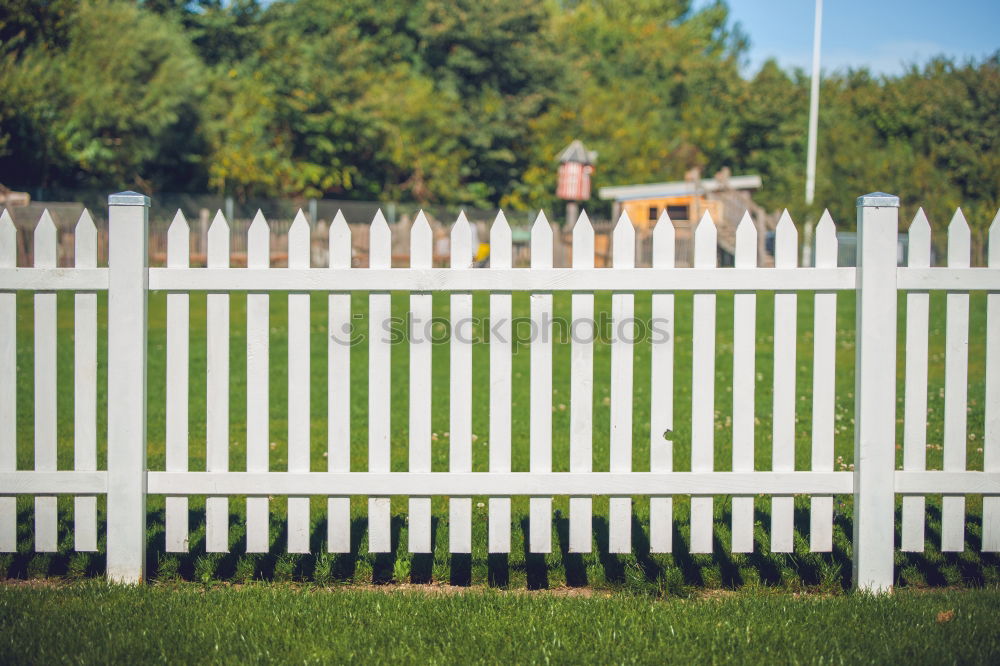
column 572, row 214
column 875, row 393
column 128, row 220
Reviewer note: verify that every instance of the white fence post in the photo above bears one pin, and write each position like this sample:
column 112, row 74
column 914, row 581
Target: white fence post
column 127, row 288
column 875, row 393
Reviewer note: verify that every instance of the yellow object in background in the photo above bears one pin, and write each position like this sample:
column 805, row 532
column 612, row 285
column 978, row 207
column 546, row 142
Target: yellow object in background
column 482, row 252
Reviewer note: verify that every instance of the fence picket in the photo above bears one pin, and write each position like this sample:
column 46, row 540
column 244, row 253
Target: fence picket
column 85, row 386
column 379, row 384
column 460, row 400
column 581, row 395
column 956, row 379
column 258, row 384
column 339, row 332
column 783, row 437
column 8, row 383
column 915, row 386
column 824, row 383
column 298, row 385
column 661, row 392
column 623, row 338
column 178, row 344
column 217, row 399
column 991, row 434
column 500, row 385
column 703, row 386
column 744, row 351
column 46, row 536
column 540, row 508
column 421, row 314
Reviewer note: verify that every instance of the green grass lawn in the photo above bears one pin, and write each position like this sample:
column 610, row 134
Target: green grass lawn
column 661, row 575
column 95, row 623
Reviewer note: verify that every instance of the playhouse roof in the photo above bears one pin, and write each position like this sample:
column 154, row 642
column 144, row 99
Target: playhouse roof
column 678, row 188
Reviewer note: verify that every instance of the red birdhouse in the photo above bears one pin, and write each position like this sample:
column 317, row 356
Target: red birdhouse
column 576, row 164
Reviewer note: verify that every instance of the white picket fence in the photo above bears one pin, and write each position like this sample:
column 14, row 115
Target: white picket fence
column 874, row 482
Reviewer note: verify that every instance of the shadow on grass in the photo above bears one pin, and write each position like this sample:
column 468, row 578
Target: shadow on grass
column 535, row 568
column 498, row 570
column 638, row 570
column 573, row 564
column 422, row 564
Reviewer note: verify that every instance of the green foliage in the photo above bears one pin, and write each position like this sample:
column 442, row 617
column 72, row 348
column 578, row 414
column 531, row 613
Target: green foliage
column 466, row 103
column 102, row 110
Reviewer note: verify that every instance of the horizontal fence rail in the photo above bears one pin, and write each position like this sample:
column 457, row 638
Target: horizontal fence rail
column 526, row 484
column 873, row 479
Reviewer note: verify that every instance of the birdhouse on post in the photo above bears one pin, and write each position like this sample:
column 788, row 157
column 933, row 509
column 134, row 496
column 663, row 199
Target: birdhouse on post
column 576, row 163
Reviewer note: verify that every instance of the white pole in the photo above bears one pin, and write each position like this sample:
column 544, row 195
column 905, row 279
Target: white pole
column 875, row 393
column 814, row 107
column 128, row 215
column 813, row 127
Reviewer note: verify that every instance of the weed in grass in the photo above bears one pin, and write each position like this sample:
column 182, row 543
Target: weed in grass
column 711, row 577
column 78, row 565
column 323, row 571
column 284, row 567
column 204, row 567
column 168, row 568
column 246, row 567
column 911, row 576
column 831, row 576
column 750, row 577
column 401, row 570
column 39, row 565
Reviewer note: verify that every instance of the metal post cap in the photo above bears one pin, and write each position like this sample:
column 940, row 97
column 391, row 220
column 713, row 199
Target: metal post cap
column 879, row 200
column 128, row 198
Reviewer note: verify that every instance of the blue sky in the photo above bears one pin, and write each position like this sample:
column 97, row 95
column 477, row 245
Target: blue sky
column 884, row 35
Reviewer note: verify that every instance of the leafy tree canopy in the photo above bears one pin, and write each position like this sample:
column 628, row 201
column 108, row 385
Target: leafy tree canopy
column 463, row 102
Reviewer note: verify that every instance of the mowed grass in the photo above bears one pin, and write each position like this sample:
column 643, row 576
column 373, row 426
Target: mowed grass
column 96, row 623
column 679, row 573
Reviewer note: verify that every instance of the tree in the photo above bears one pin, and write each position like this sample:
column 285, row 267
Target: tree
column 102, row 112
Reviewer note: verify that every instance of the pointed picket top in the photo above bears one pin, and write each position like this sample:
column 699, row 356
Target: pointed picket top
column 993, row 258
column 218, row 242
column 500, row 243
column 705, row 243
column 379, row 242
column 8, row 240
column 541, row 242
column 663, row 242
column 299, row 244
column 826, row 242
column 421, row 243
column 461, row 242
column 918, row 248
column 746, row 243
column 85, row 241
column 340, row 242
column 178, row 242
column 259, row 243
column 959, row 241
column 45, row 241
column 786, row 242
column 583, row 242
column 623, row 243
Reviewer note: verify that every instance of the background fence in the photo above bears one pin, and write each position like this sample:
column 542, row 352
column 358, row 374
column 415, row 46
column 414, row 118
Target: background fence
column 126, row 481
column 199, row 210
